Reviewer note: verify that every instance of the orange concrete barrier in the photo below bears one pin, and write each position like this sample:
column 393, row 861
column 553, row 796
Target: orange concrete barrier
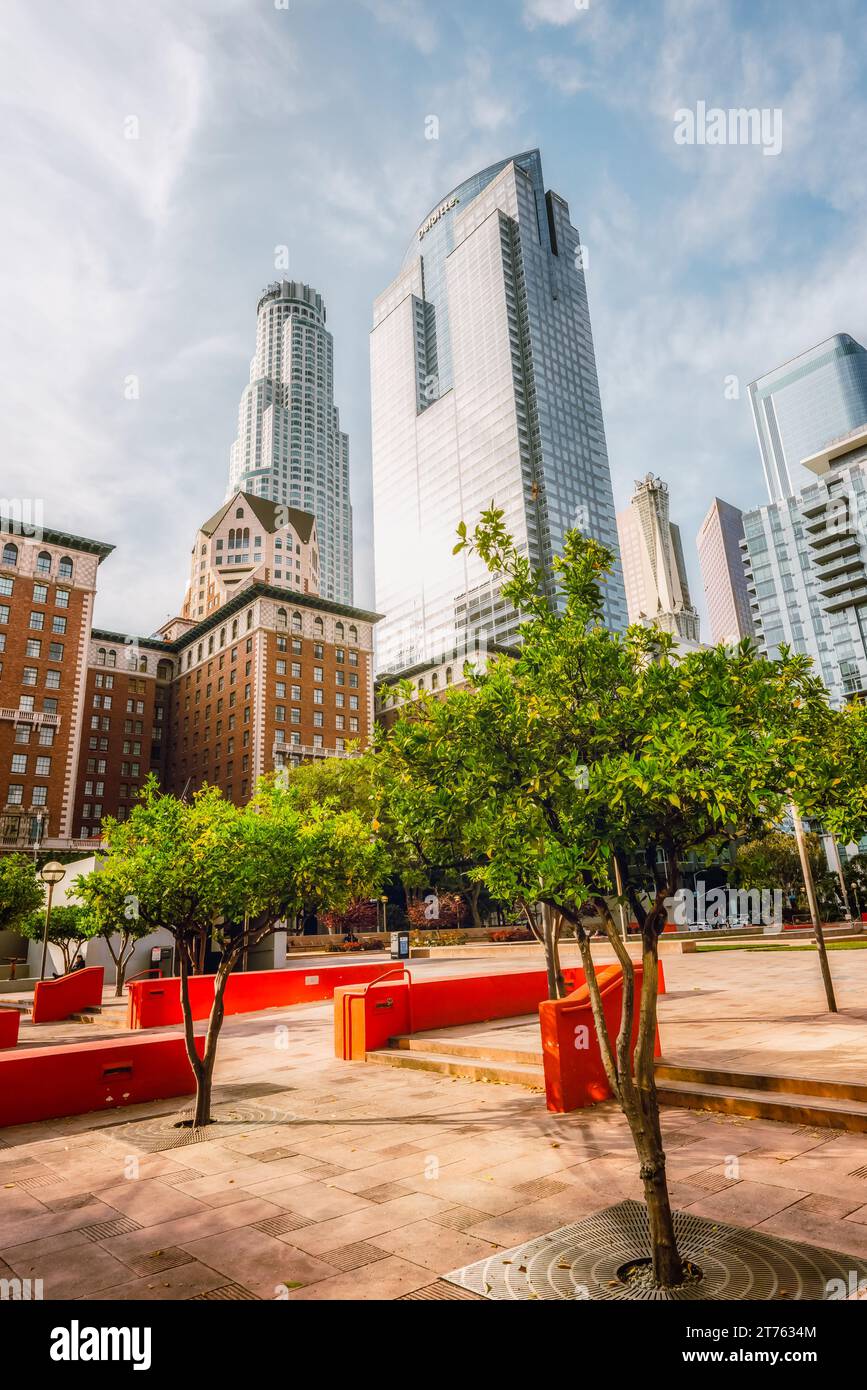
column 157, row 1003
column 57, row 999
column 574, row 1071
column 43, row 1083
column 366, row 1016
column 9, row 1021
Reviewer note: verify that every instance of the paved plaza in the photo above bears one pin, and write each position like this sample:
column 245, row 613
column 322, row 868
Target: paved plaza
column 331, row 1180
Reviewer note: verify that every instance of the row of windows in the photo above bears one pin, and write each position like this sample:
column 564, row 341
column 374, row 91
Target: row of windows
column 43, row 561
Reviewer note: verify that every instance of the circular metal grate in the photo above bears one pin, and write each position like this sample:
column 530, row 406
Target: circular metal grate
column 581, row 1261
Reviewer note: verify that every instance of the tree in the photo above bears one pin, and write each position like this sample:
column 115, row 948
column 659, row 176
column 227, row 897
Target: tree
column 588, row 746
column 772, row 863
column 114, row 918
column 207, row 869
column 21, row 892
column 67, row 929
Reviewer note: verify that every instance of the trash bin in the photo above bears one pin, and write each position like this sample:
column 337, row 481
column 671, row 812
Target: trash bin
column 400, row 945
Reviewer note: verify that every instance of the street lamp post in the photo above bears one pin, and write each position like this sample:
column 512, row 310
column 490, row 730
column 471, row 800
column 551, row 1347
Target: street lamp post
column 51, row 874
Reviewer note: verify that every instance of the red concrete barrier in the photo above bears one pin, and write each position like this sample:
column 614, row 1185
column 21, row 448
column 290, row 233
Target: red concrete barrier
column 43, row 1083
column 57, row 999
column 157, row 1003
column 574, row 1071
column 366, row 1016
column 9, row 1021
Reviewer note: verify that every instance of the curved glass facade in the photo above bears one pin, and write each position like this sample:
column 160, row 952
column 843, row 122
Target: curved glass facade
column 804, row 405
column 484, row 387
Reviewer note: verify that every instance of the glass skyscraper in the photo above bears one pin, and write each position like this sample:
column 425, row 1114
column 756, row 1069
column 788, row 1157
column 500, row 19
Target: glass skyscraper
column 805, row 404
column 484, row 389
column 806, row 568
column 290, row 447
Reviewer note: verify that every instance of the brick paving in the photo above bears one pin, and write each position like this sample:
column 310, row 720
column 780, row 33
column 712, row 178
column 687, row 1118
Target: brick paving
column 366, row 1182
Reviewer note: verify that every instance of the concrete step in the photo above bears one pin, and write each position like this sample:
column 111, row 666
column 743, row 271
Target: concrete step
column 474, row 1069
column 804, row 1107
column 754, row 1081
column 457, row 1047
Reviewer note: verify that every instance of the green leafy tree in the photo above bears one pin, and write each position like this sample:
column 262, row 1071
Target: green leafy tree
column 206, row 869
column 21, row 893
column 67, row 929
column 772, row 863
column 114, row 917
column 591, row 745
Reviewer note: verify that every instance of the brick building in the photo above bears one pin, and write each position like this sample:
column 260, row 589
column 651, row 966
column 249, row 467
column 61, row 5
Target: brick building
column 47, row 591
column 257, row 672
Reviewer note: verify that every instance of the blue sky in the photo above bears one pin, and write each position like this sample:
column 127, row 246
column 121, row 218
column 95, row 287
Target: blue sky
column 261, row 126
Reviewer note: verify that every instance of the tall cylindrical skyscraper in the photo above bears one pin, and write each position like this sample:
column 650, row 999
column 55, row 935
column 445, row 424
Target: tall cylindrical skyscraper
column 290, row 447
column 484, row 388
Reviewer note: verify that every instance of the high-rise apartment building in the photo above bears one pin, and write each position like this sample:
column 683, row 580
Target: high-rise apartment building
column 484, row 389
column 654, row 571
column 722, row 571
column 290, row 448
column 805, row 560
column 806, row 404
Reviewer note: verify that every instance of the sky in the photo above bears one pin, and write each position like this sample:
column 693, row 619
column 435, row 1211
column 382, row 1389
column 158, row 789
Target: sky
column 157, row 157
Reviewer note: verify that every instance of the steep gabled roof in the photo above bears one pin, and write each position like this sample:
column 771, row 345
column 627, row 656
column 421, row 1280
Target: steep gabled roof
column 272, row 515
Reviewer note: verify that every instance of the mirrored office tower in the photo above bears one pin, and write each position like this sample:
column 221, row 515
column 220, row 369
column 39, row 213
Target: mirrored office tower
column 484, row 389
column 806, row 404
column 290, row 447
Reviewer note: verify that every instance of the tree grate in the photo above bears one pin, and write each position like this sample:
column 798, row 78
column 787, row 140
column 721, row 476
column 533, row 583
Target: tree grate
column 581, row 1261
column 161, row 1133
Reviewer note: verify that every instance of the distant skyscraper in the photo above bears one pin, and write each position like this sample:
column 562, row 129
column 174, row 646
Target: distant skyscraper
column 290, row 448
column 722, row 572
column 653, row 565
column 806, row 568
column 805, row 404
column 484, row 389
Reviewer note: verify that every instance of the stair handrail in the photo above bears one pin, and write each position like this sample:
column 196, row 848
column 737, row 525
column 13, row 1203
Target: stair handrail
column 405, row 975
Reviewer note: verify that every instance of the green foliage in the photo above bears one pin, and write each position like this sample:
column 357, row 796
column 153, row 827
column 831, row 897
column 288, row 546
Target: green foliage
column 68, row 928
column 21, row 892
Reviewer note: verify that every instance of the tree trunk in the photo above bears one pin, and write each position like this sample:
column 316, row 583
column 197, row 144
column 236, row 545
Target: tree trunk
column 204, row 1080
column 193, row 1057
column 551, row 923
column 471, row 896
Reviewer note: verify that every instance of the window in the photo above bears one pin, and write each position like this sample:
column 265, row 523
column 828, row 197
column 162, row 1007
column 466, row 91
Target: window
column 61, row 598
column 33, row 647
column 64, row 569
column 40, row 593
column 19, row 762
column 15, row 795
column 43, row 767
column 39, row 796
column 43, row 562
column 29, row 675
column 58, row 626
column 6, row 585
column 10, row 554
column 37, row 621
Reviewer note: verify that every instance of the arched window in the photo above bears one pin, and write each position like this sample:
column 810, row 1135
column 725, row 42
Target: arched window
column 64, row 569
column 296, row 622
column 10, row 553
column 353, row 632
column 100, row 657
column 282, row 619
column 210, row 644
column 43, row 562
column 234, row 628
column 199, row 652
column 246, row 535
column 112, row 658
column 222, row 637
column 448, row 675
column 142, row 663
column 231, row 545
column 164, row 671
column 240, row 513
column 203, row 550
column 434, row 680
column 421, row 682
column 318, row 626
column 338, row 630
